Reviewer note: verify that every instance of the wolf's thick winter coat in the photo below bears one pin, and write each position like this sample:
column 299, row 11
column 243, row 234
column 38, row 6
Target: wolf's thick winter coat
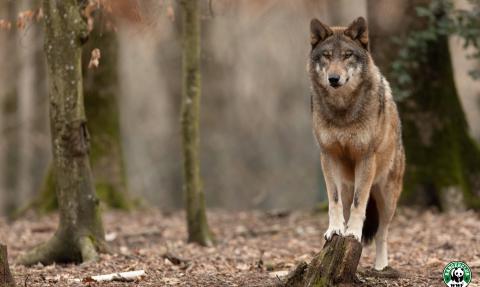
column 357, row 127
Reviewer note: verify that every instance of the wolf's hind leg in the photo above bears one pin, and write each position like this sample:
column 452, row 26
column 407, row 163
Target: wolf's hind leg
column 381, row 255
column 386, row 208
column 335, row 209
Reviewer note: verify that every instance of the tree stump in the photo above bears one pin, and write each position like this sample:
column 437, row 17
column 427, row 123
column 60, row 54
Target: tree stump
column 335, row 265
column 6, row 279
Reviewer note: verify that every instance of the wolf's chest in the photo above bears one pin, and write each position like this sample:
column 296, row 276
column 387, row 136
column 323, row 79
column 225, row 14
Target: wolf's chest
column 344, row 143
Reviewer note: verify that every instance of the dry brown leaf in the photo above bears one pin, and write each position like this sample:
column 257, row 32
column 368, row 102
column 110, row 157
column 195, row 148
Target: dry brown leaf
column 27, row 16
column 88, row 13
column 95, row 59
column 5, row 25
column 170, row 12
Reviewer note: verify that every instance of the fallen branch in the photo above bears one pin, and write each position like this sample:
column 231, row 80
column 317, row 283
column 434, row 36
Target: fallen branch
column 119, row 277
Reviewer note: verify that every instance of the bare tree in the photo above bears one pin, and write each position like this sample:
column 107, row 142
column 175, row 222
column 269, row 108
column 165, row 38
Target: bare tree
column 198, row 230
column 80, row 233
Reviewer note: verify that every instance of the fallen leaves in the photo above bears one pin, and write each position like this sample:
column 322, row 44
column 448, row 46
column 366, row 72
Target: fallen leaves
column 254, row 248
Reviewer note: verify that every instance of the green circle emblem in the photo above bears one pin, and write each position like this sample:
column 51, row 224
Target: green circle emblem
column 457, row 274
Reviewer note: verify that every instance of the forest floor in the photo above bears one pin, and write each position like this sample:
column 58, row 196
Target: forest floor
column 253, row 248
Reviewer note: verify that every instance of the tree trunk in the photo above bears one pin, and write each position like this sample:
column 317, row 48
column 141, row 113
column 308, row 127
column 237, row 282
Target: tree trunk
column 336, row 264
column 198, row 230
column 9, row 108
column 101, row 101
column 443, row 161
column 80, row 232
column 6, row 279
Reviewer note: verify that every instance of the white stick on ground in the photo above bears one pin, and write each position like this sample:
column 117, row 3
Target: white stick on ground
column 122, row 276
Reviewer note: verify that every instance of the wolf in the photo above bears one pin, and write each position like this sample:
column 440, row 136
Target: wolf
column 357, row 127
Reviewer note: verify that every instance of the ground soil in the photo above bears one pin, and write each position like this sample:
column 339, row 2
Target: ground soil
column 253, row 248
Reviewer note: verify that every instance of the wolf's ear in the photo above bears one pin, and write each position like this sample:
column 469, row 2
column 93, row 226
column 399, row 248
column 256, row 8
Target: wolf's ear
column 319, row 32
column 358, row 32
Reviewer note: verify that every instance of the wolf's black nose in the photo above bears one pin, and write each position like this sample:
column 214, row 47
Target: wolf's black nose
column 333, row 80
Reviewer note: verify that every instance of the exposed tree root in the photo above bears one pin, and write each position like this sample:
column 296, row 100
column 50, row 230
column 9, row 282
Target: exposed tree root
column 63, row 249
column 87, row 249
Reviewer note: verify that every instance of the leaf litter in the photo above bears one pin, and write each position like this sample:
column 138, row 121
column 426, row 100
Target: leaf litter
column 253, row 248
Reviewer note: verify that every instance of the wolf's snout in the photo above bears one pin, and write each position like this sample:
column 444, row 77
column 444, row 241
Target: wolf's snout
column 334, row 80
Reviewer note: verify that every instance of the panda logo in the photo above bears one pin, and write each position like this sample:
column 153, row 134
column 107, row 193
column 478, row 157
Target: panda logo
column 457, row 275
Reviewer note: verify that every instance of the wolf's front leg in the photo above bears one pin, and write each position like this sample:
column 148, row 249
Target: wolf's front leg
column 364, row 175
column 335, row 209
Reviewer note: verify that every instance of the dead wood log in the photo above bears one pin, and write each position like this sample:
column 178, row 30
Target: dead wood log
column 334, row 265
column 6, row 279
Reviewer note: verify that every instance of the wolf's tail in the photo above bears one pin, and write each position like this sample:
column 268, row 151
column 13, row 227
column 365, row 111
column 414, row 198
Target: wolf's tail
column 370, row 225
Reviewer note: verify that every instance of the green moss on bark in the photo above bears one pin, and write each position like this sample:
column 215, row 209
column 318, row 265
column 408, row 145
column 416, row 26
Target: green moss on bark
column 101, row 101
column 443, row 160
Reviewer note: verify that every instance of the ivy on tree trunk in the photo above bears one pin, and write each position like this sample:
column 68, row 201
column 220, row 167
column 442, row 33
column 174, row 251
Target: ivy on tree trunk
column 80, row 234
column 198, row 230
column 443, row 161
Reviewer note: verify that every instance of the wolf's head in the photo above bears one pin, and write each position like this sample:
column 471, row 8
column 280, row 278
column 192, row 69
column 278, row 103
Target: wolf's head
column 339, row 55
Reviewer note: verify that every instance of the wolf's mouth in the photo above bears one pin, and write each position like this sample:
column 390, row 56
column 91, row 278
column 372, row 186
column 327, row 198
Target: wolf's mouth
column 336, row 86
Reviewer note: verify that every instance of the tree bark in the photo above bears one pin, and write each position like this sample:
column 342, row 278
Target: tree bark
column 80, row 233
column 9, row 109
column 101, row 101
column 336, row 264
column 443, row 160
column 6, row 279
column 102, row 111
column 198, row 230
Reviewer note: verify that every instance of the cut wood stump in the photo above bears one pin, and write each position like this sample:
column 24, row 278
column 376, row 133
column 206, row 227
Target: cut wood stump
column 6, row 279
column 335, row 265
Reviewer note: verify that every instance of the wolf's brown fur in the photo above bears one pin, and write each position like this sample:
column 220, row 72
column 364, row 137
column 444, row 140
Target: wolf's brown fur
column 357, row 127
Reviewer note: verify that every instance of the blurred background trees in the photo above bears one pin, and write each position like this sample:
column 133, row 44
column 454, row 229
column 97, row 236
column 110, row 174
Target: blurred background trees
column 256, row 144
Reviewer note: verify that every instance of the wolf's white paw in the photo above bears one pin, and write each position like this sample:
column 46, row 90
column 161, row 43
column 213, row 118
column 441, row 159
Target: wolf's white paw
column 380, row 266
column 357, row 234
column 333, row 230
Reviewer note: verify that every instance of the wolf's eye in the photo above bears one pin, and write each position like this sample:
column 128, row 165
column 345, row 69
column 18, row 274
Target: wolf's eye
column 347, row 54
column 326, row 54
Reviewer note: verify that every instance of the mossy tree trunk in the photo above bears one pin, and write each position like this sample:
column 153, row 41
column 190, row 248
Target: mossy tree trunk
column 80, row 233
column 101, row 102
column 443, row 161
column 198, row 230
column 6, row 279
